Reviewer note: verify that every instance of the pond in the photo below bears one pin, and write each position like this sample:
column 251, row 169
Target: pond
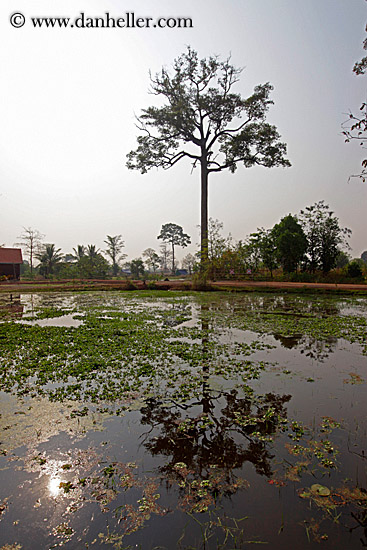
column 161, row 420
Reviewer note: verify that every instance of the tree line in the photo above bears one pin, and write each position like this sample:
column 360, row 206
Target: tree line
column 312, row 242
column 89, row 262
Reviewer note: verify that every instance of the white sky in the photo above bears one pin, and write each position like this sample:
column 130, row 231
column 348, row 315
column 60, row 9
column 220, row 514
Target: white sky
column 68, row 99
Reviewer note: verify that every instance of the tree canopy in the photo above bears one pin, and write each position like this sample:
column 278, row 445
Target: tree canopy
column 206, row 122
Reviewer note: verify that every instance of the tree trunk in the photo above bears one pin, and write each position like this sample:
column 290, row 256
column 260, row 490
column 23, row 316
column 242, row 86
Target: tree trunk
column 204, row 212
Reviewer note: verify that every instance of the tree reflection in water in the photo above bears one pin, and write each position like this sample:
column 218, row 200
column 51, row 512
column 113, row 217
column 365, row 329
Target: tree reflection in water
column 206, row 440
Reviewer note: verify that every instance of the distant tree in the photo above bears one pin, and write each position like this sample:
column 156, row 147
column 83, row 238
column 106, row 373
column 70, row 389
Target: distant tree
column 342, row 259
column 355, row 128
column 217, row 243
column 137, row 267
column 253, row 249
column 268, row 249
column 290, row 241
column 92, row 251
column 152, row 259
column 165, row 256
column 93, row 266
column 324, row 235
column 364, row 256
column 204, row 121
column 188, row 263
column 32, row 241
column 173, row 234
column 79, row 252
column 48, row 257
column 114, row 247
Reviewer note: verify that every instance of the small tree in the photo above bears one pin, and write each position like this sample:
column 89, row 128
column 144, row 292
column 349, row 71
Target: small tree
column 165, row 256
column 31, row 240
column 152, row 259
column 218, row 245
column 290, row 241
column 253, row 245
column 137, row 267
column 205, row 122
column 268, row 249
column 173, row 234
column 188, row 263
column 324, row 235
column 114, row 246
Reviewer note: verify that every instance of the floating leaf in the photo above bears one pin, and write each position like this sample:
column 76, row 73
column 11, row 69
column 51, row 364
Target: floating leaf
column 320, row 490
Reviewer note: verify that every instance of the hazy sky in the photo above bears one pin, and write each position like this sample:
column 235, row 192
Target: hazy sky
column 68, row 99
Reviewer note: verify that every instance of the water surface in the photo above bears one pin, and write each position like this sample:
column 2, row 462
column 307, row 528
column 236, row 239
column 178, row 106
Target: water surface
column 163, row 420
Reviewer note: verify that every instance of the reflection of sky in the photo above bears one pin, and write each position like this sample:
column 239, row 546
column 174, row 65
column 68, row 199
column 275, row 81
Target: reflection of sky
column 54, row 486
column 67, row 116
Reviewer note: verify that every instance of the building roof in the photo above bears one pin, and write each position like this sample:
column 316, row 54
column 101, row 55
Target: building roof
column 11, row 256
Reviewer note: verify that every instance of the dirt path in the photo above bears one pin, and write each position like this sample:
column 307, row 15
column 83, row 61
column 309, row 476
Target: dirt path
column 75, row 285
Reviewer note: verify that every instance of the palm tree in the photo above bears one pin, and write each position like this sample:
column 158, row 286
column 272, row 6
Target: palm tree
column 114, row 246
column 79, row 252
column 49, row 257
column 92, row 251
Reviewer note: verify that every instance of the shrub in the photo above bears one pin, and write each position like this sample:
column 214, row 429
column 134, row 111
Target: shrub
column 354, row 270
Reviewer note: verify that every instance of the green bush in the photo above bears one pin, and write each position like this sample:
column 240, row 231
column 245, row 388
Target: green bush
column 354, row 270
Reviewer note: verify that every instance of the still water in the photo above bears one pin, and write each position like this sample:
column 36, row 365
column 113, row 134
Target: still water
column 164, row 420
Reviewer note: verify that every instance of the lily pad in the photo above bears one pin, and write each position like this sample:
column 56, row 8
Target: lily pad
column 320, row 490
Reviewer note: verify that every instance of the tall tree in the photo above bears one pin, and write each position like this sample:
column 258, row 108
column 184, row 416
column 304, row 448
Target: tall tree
column 48, row 257
column 31, row 240
column 205, row 121
column 114, row 247
column 173, row 234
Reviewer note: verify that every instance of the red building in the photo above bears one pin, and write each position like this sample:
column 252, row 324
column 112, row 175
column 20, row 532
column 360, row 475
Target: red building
column 10, row 260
